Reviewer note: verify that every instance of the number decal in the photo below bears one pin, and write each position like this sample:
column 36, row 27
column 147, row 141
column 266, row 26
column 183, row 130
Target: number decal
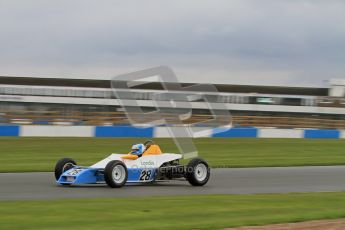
column 74, row 172
column 148, row 175
column 145, row 175
column 142, row 175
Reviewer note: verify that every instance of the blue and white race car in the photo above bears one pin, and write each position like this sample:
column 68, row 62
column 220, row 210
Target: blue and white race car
column 145, row 163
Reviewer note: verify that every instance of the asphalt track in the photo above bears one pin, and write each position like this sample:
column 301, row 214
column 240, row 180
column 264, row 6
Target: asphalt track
column 27, row 186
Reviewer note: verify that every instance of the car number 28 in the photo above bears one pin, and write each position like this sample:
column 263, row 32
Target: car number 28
column 145, row 175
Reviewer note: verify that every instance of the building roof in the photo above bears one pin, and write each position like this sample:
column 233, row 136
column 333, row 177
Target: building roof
column 309, row 91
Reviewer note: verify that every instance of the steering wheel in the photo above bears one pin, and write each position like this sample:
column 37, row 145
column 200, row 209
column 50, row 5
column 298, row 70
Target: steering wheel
column 148, row 143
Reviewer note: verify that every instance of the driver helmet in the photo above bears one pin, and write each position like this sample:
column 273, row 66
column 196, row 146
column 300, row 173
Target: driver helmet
column 138, row 149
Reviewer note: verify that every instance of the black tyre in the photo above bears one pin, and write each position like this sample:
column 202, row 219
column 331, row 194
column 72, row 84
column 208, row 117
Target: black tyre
column 63, row 165
column 197, row 172
column 115, row 174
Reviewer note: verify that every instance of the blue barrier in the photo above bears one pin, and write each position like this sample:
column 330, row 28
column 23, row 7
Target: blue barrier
column 319, row 133
column 129, row 131
column 238, row 132
column 123, row 131
column 9, row 130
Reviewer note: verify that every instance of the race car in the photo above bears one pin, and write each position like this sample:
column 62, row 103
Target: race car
column 144, row 164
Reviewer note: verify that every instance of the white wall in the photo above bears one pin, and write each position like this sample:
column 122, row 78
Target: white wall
column 56, row 131
column 280, row 133
column 342, row 134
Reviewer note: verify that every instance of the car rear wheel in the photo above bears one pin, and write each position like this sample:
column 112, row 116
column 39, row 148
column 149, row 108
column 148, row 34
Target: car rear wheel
column 197, row 172
column 63, row 165
column 115, row 174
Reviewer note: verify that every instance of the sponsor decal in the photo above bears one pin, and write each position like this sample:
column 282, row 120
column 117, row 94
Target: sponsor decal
column 147, row 163
column 74, row 172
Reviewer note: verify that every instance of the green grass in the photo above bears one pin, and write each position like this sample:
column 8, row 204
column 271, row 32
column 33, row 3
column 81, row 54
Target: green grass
column 40, row 154
column 185, row 212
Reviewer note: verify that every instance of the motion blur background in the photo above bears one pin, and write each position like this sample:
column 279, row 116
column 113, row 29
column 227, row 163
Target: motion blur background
column 276, row 64
column 81, row 102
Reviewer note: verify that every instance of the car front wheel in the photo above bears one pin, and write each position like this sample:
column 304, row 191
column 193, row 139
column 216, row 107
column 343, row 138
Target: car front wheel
column 197, row 172
column 63, row 165
column 115, row 174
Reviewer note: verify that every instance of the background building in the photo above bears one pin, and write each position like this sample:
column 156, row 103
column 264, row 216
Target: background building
column 44, row 101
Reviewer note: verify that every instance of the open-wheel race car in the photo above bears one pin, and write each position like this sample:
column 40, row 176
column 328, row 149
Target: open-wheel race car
column 144, row 164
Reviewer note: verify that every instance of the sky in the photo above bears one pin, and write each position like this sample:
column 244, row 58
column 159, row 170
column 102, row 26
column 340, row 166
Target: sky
column 266, row 42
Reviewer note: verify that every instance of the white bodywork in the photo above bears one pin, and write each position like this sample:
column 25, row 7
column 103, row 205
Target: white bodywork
column 150, row 161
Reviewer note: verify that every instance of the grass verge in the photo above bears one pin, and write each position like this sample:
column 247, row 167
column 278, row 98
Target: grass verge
column 183, row 212
column 40, row 154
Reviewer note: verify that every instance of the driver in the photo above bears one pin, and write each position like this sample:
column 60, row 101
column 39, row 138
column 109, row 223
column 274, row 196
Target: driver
column 138, row 149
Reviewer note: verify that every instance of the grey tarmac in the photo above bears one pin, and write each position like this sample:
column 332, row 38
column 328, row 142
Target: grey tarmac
column 41, row 185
